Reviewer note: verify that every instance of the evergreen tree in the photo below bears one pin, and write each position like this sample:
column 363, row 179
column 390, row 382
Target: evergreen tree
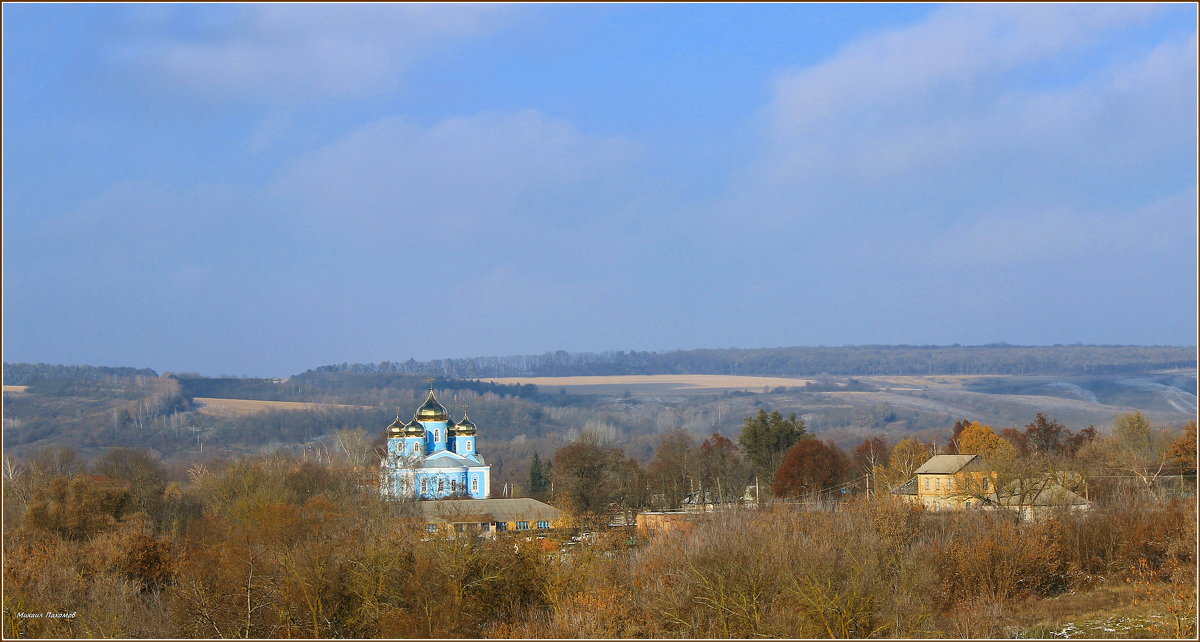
column 539, row 477
column 766, row 437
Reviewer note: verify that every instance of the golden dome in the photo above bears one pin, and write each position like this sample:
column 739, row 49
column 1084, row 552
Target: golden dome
column 431, row 410
column 464, row 427
column 414, row 429
column 396, row 428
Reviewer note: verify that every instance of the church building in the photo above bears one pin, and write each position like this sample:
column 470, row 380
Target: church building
column 432, row 457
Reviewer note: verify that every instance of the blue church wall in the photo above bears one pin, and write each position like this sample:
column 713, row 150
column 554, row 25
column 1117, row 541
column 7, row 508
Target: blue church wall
column 435, row 434
column 432, row 465
column 464, row 446
column 407, row 447
column 436, row 485
column 476, row 484
column 413, row 446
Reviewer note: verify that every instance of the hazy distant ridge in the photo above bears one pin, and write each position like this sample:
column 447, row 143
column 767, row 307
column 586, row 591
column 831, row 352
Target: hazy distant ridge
column 20, row 374
column 999, row 359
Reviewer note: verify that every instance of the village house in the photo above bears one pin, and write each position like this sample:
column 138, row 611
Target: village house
column 953, row 482
column 489, row 516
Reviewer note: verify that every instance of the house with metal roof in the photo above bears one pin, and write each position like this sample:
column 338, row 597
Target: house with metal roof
column 951, row 482
column 489, row 516
column 943, row 482
column 1034, row 498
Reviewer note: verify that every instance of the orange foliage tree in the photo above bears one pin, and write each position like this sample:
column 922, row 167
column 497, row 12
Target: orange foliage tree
column 809, row 466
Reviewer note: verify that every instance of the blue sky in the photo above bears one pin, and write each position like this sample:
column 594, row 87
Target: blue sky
column 260, row 189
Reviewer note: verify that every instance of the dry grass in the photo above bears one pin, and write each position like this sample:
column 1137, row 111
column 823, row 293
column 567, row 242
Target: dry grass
column 243, row 407
column 1106, row 611
column 16, row 390
column 654, row 384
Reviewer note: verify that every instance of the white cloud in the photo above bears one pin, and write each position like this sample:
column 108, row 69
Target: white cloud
column 957, row 45
column 1041, row 237
column 977, row 116
column 937, row 94
column 284, row 52
column 516, row 191
column 475, row 178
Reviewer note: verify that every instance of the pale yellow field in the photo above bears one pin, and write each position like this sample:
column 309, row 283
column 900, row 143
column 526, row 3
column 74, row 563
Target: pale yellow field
column 920, row 381
column 652, row 384
column 243, row 407
column 15, row 389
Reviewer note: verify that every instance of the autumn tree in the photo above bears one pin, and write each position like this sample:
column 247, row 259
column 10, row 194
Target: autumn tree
column 903, row 460
column 22, row 479
column 1045, row 436
column 674, row 467
column 723, row 472
column 78, row 507
column 870, row 458
column 1017, row 439
column 766, row 437
column 1048, row 437
column 1135, row 447
column 55, row 461
column 952, row 447
column 810, row 466
column 308, row 479
column 354, row 446
column 134, row 552
column 980, row 439
column 633, row 488
column 16, row 490
column 1183, row 451
column 587, row 475
column 1051, row 452
column 144, row 475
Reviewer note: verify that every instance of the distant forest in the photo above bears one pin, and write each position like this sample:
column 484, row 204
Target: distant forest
column 23, row 374
column 998, row 359
column 354, row 387
column 95, row 408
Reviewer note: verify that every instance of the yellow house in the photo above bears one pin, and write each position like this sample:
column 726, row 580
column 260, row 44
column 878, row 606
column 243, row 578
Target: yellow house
column 953, row 481
column 948, row 482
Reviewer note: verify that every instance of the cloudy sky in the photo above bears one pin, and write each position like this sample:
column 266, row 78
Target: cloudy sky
column 258, row 190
